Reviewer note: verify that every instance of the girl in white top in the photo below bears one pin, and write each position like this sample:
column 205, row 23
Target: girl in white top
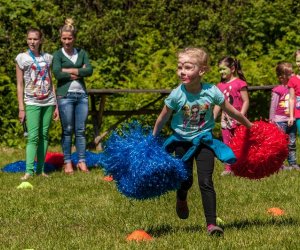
column 36, row 98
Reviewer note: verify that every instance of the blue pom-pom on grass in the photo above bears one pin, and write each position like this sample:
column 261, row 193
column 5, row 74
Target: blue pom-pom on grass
column 91, row 159
column 20, row 166
column 15, row 167
column 140, row 166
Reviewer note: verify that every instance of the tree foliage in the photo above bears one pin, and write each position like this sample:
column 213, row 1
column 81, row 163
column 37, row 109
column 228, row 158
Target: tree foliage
column 133, row 44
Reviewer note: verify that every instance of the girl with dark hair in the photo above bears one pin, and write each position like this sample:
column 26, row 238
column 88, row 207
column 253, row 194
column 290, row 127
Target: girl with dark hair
column 234, row 87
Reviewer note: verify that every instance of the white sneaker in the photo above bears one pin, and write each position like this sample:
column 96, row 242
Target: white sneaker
column 226, row 172
column 286, row 168
column 295, row 166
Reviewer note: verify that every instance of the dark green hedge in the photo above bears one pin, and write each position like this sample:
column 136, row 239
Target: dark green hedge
column 132, row 44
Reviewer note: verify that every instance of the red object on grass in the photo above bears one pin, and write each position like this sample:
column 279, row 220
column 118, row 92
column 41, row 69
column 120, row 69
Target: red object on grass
column 139, row 235
column 54, row 158
column 260, row 151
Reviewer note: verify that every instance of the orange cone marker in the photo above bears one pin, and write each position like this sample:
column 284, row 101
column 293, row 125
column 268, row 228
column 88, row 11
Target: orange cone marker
column 108, row 178
column 139, row 235
column 275, row 211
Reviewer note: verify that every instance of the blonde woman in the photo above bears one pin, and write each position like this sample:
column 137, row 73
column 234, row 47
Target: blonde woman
column 70, row 66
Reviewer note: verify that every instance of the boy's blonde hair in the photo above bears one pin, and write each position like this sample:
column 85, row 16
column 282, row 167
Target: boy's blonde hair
column 199, row 54
column 284, row 69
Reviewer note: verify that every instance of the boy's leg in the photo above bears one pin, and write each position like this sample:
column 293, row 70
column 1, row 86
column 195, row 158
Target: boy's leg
column 292, row 157
column 291, row 131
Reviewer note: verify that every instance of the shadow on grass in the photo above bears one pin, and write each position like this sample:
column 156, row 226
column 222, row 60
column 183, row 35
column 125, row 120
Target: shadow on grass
column 166, row 229
column 281, row 221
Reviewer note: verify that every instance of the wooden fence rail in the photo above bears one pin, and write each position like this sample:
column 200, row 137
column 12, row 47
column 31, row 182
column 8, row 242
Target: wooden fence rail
column 98, row 111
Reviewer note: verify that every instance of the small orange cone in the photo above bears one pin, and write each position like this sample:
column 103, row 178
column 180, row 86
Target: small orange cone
column 108, row 178
column 139, row 235
column 275, row 211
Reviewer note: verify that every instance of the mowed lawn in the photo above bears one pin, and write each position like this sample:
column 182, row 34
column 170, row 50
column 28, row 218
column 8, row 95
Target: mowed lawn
column 85, row 212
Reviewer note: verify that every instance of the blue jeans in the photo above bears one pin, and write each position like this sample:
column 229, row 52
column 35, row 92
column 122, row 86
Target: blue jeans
column 291, row 132
column 73, row 112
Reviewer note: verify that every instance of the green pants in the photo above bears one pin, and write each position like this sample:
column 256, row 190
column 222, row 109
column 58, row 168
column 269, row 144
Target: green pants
column 38, row 120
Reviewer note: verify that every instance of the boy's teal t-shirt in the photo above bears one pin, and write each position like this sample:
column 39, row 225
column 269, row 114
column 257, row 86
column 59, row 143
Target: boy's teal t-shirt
column 193, row 113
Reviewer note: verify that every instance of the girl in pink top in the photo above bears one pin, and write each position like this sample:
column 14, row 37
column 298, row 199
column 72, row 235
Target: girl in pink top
column 279, row 110
column 234, row 87
column 294, row 100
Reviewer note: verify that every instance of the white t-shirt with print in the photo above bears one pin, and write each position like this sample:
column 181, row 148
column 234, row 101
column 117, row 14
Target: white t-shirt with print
column 38, row 89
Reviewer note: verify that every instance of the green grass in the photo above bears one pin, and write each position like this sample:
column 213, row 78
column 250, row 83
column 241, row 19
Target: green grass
column 84, row 212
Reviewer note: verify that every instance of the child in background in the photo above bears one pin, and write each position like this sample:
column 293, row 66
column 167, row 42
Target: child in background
column 192, row 103
column 234, row 87
column 294, row 90
column 279, row 111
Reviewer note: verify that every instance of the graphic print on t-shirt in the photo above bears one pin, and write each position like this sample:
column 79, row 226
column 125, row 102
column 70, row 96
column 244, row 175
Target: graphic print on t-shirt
column 40, row 81
column 194, row 117
column 284, row 104
column 227, row 122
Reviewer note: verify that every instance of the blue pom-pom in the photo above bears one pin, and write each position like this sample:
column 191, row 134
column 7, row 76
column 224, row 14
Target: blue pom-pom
column 15, row 167
column 91, row 159
column 20, row 166
column 140, row 166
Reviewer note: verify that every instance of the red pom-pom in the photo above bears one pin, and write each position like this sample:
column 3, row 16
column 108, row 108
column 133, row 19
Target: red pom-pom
column 56, row 159
column 260, row 151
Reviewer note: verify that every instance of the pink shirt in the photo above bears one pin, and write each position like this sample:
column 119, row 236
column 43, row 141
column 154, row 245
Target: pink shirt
column 279, row 109
column 232, row 93
column 294, row 82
